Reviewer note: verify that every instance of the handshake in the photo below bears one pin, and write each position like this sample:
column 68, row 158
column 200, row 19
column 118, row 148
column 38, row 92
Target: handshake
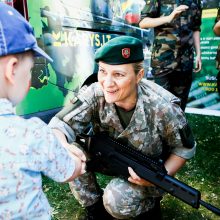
column 79, row 158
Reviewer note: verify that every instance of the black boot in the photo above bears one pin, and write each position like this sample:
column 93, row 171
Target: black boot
column 152, row 214
column 97, row 211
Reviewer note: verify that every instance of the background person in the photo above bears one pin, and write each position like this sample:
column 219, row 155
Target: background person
column 177, row 34
column 216, row 30
column 27, row 146
column 135, row 111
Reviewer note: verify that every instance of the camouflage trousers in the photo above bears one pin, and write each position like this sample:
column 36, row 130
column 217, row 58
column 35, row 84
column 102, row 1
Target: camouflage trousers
column 121, row 198
column 178, row 83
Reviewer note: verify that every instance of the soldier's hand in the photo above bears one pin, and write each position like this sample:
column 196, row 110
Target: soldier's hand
column 198, row 64
column 134, row 178
column 177, row 11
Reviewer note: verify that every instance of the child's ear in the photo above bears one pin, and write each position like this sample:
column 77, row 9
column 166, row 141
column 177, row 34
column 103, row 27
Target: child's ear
column 10, row 69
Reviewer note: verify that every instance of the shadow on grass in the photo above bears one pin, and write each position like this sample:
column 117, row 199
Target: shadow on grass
column 207, row 134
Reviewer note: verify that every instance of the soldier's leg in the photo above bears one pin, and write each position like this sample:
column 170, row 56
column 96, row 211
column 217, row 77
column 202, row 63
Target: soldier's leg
column 88, row 193
column 125, row 200
column 180, row 86
column 152, row 214
column 178, row 83
column 163, row 81
column 86, row 189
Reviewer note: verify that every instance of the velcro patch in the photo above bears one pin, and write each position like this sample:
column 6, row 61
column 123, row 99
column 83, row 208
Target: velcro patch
column 187, row 137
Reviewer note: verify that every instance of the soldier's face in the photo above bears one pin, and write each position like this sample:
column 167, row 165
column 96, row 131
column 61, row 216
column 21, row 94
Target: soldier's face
column 119, row 83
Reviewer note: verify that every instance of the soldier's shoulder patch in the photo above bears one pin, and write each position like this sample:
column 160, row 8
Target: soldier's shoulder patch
column 73, row 104
column 187, row 137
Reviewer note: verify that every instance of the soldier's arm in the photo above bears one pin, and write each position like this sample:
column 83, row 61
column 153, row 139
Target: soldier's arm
column 153, row 22
column 173, row 164
column 216, row 28
column 198, row 61
column 70, row 147
column 148, row 22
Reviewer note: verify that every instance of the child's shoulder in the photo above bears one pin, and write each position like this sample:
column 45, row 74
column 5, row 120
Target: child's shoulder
column 10, row 119
column 30, row 128
column 32, row 123
column 35, row 127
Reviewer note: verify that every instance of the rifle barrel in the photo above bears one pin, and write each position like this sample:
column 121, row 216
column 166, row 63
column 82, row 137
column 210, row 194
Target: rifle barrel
column 210, row 207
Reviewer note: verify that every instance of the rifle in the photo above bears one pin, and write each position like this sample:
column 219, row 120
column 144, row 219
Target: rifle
column 115, row 157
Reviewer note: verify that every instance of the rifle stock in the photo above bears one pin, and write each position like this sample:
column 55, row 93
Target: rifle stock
column 116, row 157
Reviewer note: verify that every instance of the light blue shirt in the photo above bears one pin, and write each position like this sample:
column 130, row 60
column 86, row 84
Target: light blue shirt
column 27, row 149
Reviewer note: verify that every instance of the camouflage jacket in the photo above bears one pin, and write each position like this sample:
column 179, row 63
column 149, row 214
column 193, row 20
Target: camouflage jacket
column 173, row 44
column 157, row 119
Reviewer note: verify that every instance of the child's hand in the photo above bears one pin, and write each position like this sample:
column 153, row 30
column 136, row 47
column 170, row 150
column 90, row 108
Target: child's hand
column 80, row 166
column 79, row 159
column 74, row 149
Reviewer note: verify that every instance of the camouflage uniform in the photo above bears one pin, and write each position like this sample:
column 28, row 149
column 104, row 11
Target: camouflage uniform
column 157, row 119
column 172, row 55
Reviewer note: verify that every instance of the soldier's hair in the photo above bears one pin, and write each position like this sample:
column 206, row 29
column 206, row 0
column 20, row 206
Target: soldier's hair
column 138, row 66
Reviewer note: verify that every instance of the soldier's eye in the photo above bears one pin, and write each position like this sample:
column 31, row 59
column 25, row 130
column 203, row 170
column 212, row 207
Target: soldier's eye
column 119, row 74
column 101, row 71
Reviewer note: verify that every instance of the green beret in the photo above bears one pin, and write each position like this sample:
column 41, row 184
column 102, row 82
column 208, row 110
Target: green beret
column 120, row 50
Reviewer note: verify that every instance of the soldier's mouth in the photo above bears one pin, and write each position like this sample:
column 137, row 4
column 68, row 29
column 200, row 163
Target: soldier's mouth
column 112, row 91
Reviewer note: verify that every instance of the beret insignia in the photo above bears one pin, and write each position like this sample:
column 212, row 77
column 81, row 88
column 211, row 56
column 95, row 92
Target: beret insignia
column 126, row 52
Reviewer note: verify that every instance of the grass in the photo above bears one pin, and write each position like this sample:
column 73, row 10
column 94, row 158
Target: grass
column 202, row 172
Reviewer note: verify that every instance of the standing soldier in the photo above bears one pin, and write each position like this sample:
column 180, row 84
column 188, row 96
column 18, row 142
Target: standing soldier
column 177, row 33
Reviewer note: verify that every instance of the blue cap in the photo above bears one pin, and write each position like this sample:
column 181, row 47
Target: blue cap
column 16, row 34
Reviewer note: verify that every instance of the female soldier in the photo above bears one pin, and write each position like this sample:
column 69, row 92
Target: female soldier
column 131, row 109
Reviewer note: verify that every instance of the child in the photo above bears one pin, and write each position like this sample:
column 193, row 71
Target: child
column 27, row 146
